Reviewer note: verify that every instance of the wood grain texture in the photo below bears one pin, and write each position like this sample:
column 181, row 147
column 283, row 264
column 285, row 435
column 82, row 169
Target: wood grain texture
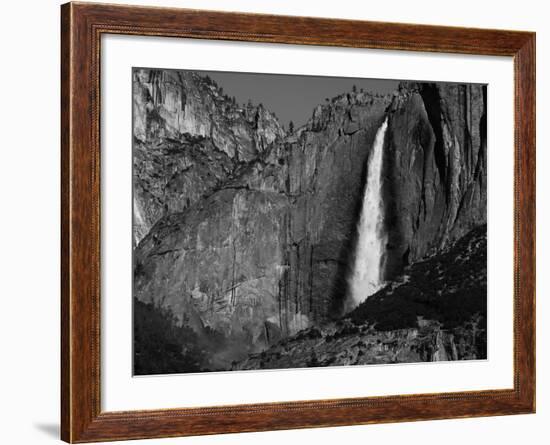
column 81, row 28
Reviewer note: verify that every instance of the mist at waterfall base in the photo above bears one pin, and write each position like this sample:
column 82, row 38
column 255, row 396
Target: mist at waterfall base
column 366, row 275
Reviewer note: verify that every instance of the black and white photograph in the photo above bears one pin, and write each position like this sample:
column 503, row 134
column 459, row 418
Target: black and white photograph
column 276, row 222
column 290, row 221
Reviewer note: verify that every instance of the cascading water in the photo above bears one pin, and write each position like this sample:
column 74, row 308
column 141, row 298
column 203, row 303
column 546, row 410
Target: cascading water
column 366, row 277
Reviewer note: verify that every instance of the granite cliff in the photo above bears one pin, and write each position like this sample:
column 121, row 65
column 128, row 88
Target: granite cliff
column 436, row 184
column 189, row 138
column 247, row 231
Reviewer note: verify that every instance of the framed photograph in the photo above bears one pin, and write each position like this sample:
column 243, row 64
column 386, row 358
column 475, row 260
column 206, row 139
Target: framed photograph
column 275, row 222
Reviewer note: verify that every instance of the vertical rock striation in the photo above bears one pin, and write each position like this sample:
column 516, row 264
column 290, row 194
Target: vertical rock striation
column 436, row 180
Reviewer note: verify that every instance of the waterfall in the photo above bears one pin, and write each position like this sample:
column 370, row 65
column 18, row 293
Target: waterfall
column 366, row 276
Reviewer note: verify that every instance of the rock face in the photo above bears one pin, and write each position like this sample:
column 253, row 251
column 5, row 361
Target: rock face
column 436, row 169
column 219, row 264
column 245, row 230
column 173, row 175
column 188, row 139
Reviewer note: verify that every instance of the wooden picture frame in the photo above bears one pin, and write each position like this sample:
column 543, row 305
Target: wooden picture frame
column 82, row 25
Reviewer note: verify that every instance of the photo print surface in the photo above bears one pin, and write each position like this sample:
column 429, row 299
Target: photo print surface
column 284, row 221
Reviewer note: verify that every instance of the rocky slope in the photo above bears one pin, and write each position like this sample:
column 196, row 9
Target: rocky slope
column 247, row 231
column 436, row 312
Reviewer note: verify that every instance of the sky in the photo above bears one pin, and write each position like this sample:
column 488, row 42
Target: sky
column 292, row 97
